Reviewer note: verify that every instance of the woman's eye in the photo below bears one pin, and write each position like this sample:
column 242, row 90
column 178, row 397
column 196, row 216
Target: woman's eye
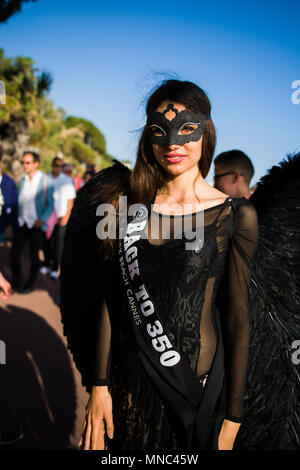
column 188, row 129
column 157, row 131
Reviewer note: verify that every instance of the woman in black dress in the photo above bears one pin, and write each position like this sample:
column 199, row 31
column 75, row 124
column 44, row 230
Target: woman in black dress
column 173, row 328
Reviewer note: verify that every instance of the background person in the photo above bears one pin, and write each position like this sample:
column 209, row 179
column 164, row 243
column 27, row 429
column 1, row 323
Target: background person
column 233, row 173
column 8, row 190
column 35, row 207
column 68, row 169
column 77, row 180
column 64, row 195
column 87, row 176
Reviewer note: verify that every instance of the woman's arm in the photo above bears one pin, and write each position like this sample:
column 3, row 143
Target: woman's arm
column 98, row 418
column 235, row 316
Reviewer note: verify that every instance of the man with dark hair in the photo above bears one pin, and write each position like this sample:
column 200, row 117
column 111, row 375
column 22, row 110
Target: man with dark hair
column 8, row 201
column 233, row 173
column 36, row 204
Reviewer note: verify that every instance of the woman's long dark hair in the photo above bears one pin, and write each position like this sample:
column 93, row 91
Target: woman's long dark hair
column 148, row 176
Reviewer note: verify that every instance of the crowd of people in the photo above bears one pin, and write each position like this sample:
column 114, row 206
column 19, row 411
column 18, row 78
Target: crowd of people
column 37, row 210
column 42, row 199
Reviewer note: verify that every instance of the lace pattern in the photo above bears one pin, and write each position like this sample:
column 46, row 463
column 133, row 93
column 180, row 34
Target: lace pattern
column 185, row 285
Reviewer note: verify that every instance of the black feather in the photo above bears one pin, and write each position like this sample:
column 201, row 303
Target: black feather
column 83, row 271
column 273, row 386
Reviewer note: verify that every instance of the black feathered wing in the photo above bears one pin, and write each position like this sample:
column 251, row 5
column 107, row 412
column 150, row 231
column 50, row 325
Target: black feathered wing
column 84, row 272
column 272, row 391
column 273, row 386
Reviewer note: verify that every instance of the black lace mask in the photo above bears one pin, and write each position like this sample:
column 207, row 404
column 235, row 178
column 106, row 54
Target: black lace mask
column 163, row 131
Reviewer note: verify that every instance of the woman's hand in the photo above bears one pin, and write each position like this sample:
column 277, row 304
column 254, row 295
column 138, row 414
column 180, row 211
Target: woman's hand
column 5, row 287
column 228, row 434
column 98, row 417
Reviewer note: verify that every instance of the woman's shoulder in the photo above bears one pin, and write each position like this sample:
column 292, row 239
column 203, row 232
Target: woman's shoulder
column 245, row 216
column 218, row 197
column 214, row 197
column 243, row 205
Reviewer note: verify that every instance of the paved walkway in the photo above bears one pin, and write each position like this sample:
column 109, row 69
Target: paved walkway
column 40, row 386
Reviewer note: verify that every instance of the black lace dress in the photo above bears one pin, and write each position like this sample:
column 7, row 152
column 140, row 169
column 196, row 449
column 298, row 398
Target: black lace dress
column 201, row 295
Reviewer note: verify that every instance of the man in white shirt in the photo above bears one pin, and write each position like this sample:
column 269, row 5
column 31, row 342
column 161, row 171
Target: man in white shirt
column 64, row 195
column 36, row 203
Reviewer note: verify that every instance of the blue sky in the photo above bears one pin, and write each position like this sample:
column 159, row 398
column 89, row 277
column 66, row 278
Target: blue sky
column 106, row 57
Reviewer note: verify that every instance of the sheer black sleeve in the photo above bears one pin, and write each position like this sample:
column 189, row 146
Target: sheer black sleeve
column 107, row 309
column 102, row 360
column 235, row 295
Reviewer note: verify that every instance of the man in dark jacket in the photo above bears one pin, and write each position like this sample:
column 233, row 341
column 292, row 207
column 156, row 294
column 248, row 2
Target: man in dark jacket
column 8, row 201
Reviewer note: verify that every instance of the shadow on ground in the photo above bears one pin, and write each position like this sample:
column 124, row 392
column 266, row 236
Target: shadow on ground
column 37, row 384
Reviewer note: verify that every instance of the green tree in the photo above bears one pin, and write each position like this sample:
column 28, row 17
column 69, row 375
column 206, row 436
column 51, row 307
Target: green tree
column 28, row 119
column 92, row 136
column 82, row 152
column 24, row 86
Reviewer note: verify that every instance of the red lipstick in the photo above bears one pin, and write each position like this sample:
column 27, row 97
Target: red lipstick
column 174, row 157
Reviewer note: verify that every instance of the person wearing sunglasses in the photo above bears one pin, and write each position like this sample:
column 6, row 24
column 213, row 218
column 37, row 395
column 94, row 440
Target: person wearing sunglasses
column 233, row 173
column 36, row 203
